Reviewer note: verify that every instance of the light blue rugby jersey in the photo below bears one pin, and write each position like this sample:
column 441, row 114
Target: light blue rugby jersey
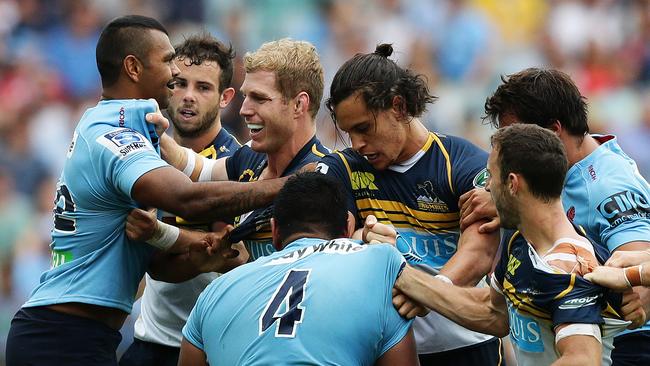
column 605, row 194
column 313, row 303
column 93, row 262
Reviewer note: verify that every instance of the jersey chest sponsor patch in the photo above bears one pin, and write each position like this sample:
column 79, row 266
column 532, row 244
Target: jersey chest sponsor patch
column 525, row 331
column 123, row 142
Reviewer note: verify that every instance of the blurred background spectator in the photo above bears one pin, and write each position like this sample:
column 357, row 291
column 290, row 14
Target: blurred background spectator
column 48, row 77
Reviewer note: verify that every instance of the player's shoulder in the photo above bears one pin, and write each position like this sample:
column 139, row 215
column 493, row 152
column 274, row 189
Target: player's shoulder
column 347, row 157
column 317, row 150
column 455, row 143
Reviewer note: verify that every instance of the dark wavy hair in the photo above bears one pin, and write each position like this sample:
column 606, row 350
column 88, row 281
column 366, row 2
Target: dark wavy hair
column 541, row 97
column 379, row 79
column 203, row 47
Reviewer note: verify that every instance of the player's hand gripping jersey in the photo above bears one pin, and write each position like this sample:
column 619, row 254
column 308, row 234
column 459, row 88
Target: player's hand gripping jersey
column 246, row 165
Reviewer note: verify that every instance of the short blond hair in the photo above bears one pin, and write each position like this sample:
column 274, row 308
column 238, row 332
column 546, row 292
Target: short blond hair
column 296, row 65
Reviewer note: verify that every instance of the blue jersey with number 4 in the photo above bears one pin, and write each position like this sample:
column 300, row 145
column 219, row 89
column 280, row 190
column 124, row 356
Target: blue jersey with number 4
column 93, row 261
column 315, row 302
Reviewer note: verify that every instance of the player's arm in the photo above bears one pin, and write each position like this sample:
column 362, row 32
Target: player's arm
column 195, row 166
column 401, row 354
column 480, row 309
column 477, row 205
column 578, row 348
column 170, row 190
column 473, row 258
column 190, row 355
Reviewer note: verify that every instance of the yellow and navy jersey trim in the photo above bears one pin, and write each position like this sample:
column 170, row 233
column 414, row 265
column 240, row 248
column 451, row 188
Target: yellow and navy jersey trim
column 425, row 196
column 550, row 296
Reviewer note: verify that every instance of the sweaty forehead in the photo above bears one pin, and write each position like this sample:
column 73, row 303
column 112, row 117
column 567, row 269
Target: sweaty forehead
column 351, row 111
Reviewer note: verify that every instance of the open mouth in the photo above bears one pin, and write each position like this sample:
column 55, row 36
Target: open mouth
column 255, row 128
column 187, row 113
column 371, row 157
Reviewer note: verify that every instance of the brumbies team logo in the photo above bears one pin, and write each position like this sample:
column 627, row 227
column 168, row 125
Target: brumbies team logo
column 427, row 199
column 480, row 180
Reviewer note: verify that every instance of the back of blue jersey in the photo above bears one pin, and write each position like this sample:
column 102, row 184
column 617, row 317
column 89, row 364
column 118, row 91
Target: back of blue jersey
column 315, row 302
column 92, row 259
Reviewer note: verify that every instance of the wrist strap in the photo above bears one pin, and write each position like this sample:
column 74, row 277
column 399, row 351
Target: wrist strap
column 206, row 171
column 444, row 278
column 633, row 275
column 191, row 162
column 164, row 236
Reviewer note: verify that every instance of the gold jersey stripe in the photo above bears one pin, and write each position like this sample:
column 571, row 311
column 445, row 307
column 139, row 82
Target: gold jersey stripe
column 315, row 151
column 399, row 207
column 448, row 160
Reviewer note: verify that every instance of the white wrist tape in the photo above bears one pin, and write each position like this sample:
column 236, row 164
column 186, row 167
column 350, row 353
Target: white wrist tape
column 191, row 161
column 444, row 278
column 164, row 236
column 206, row 172
column 579, row 329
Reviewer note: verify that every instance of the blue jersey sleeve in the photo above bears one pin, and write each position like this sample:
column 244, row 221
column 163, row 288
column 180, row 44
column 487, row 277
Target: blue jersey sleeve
column 192, row 328
column 622, row 212
column 469, row 165
column 333, row 165
column 395, row 326
column 126, row 155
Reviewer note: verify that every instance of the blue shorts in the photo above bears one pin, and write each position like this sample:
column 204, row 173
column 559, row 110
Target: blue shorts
column 632, row 349
column 40, row 336
column 486, row 353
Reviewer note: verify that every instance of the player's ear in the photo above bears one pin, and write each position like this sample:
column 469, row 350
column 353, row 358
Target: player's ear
column 302, row 103
column 226, row 97
column 350, row 225
column 132, row 67
column 556, row 127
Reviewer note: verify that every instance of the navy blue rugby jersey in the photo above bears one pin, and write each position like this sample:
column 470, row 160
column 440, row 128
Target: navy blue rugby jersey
column 246, row 165
column 420, row 199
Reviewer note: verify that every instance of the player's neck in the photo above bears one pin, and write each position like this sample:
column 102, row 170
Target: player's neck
column 416, row 139
column 200, row 142
column 578, row 148
column 542, row 224
column 121, row 90
column 278, row 161
column 297, row 236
